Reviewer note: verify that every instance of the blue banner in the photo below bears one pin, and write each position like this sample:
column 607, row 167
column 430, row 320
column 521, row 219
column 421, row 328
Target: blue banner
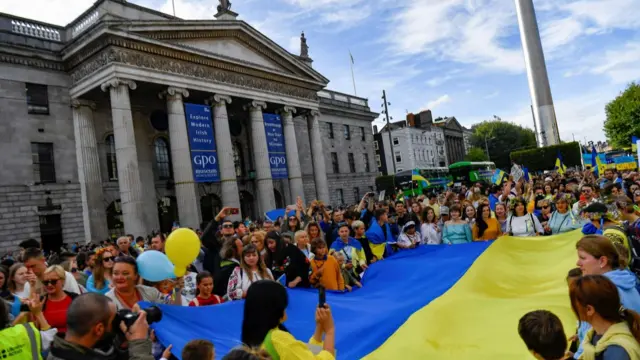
column 204, row 159
column 275, row 146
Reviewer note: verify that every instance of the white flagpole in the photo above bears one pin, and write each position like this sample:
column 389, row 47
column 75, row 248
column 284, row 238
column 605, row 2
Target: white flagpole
column 173, row 3
column 353, row 78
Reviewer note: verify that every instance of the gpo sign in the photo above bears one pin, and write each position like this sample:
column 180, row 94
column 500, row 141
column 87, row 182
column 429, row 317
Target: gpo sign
column 277, row 160
column 204, row 160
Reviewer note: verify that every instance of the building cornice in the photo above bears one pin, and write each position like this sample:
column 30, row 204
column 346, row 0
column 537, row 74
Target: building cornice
column 30, row 61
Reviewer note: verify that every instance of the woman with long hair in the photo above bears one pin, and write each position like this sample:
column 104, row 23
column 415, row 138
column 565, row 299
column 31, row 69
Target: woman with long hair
column 615, row 330
column 257, row 239
column 251, row 269
column 563, row 219
column 263, row 325
column 416, row 209
column 429, row 230
column 297, row 255
column 100, row 280
column 314, row 230
column 4, row 283
column 275, row 259
column 521, row 223
column 485, row 228
column 502, row 216
column 204, row 292
column 17, row 279
column 469, row 214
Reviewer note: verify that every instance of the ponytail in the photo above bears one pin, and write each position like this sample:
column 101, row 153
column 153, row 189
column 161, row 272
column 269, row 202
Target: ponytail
column 632, row 319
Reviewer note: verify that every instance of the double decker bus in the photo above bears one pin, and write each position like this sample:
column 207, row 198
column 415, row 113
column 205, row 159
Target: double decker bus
column 415, row 182
column 467, row 172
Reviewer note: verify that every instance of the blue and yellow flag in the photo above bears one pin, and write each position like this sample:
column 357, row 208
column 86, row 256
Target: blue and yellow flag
column 595, row 161
column 560, row 167
column 498, row 176
column 434, row 302
column 634, row 144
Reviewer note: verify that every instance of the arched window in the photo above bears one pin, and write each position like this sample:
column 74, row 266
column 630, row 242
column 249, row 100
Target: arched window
column 114, row 220
column 112, row 164
column 163, row 161
column 238, row 162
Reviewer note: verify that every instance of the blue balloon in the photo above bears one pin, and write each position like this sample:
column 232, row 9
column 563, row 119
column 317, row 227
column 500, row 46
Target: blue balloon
column 155, row 266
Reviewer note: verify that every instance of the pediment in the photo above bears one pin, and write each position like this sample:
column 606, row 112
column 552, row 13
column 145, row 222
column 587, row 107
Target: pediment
column 453, row 124
column 234, row 41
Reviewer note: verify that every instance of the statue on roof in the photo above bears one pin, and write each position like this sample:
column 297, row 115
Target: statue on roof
column 225, row 5
column 304, row 48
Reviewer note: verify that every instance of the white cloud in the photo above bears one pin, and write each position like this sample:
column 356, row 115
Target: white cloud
column 620, row 65
column 607, row 14
column 190, row 9
column 560, row 32
column 437, row 102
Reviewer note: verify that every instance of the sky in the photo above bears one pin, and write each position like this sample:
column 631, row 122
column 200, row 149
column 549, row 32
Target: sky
column 459, row 58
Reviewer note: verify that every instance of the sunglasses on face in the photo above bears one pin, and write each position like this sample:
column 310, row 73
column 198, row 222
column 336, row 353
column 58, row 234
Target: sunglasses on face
column 227, row 226
column 587, row 191
column 292, row 219
column 545, row 206
column 50, row 282
column 108, row 258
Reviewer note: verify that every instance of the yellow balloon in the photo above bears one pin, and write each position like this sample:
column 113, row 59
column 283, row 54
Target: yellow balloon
column 182, row 248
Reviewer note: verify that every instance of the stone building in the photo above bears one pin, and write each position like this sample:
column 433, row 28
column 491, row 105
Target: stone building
column 96, row 141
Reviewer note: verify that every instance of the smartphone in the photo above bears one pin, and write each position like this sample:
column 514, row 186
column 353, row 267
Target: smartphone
column 24, row 308
column 574, row 346
column 322, row 296
column 235, row 211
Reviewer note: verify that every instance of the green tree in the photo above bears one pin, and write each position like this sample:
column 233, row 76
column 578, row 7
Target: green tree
column 623, row 117
column 502, row 138
column 476, row 154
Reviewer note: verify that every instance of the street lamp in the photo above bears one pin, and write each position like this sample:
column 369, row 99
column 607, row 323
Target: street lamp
column 486, row 145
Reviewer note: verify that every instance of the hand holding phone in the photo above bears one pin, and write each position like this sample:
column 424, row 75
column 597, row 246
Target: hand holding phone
column 235, row 211
column 322, row 297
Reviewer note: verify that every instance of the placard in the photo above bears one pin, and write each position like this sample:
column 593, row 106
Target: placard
column 275, row 146
column 204, row 158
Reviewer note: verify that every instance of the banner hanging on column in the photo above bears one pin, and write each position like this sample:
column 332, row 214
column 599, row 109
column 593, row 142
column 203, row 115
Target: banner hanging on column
column 275, row 146
column 204, row 159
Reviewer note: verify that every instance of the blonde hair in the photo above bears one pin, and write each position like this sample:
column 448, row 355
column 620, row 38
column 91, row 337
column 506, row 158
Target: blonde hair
column 260, row 235
column 298, row 234
column 357, row 224
column 56, row 269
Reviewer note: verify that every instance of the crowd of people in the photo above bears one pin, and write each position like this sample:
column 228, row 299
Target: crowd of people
column 318, row 246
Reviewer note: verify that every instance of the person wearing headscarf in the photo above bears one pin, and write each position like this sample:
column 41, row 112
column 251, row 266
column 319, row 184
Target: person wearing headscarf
column 408, row 238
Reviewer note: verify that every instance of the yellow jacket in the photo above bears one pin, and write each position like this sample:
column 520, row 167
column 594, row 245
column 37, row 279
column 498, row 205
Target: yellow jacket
column 618, row 334
column 283, row 346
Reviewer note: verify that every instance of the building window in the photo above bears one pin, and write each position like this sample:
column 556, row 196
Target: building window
column 330, row 130
column 37, row 99
column 112, row 163
column 399, row 170
column 378, row 161
column 163, row 161
column 334, row 162
column 356, row 194
column 398, row 157
column 363, row 138
column 396, row 141
column 44, row 170
column 352, row 162
column 114, row 219
column 366, row 163
column 340, row 196
column 347, row 132
column 238, row 162
column 375, row 145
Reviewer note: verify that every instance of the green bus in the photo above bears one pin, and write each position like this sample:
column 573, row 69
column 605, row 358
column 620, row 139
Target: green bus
column 415, row 182
column 467, row 172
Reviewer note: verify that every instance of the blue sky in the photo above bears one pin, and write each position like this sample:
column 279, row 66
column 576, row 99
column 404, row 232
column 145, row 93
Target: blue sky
column 456, row 57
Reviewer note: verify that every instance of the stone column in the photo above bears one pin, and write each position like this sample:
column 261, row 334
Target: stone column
column 264, row 182
column 186, row 188
column 293, row 161
column 317, row 154
column 224, row 149
column 129, row 178
column 89, row 177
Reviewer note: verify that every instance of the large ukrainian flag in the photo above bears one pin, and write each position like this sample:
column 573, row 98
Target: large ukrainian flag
column 434, row 302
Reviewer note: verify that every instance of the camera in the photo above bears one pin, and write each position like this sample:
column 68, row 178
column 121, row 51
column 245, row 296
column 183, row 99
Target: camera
column 154, row 314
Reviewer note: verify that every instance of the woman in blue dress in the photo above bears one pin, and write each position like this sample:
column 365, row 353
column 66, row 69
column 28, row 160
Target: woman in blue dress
column 456, row 230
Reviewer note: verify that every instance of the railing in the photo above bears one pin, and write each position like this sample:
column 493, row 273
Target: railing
column 36, row 30
column 84, row 23
column 332, row 95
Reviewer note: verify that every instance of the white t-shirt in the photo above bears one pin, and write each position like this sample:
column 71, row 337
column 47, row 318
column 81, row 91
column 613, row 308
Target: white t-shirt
column 527, row 225
column 70, row 285
column 190, row 287
column 429, row 234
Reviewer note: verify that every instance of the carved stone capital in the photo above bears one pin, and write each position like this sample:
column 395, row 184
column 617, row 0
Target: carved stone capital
column 115, row 82
column 218, row 99
column 287, row 110
column 314, row 113
column 78, row 103
column 173, row 91
column 255, row 106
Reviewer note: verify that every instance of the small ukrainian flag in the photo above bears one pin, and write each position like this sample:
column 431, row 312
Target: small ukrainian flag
column 560, row 167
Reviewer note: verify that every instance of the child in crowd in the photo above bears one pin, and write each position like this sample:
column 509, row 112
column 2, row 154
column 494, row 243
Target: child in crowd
column 350, row 280
column 204, row 295
column 325, row 270
column 199, row 350
column 247, row 353
column 542, row 332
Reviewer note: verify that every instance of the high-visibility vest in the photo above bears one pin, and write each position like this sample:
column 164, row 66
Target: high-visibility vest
column 21, row 342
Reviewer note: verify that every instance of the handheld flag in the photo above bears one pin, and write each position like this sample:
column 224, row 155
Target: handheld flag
column 560, row 167
column 634, row 144
column 595, row 161
column 526, row 174
column 498, row 176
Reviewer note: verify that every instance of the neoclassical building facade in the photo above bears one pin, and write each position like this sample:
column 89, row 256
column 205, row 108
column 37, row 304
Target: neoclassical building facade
column 101, row 105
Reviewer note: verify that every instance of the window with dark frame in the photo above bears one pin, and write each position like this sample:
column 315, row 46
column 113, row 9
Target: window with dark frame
column 112, row 162
column 352, row 162
column 356, row 194
column 334, row 163
column 238, row 162
column 364, row 136
column 37, row 99
column 340, row 196
column 163, row 160
column 330, row 130
column 44, row 170
column 366, row 163
column 347, row 132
